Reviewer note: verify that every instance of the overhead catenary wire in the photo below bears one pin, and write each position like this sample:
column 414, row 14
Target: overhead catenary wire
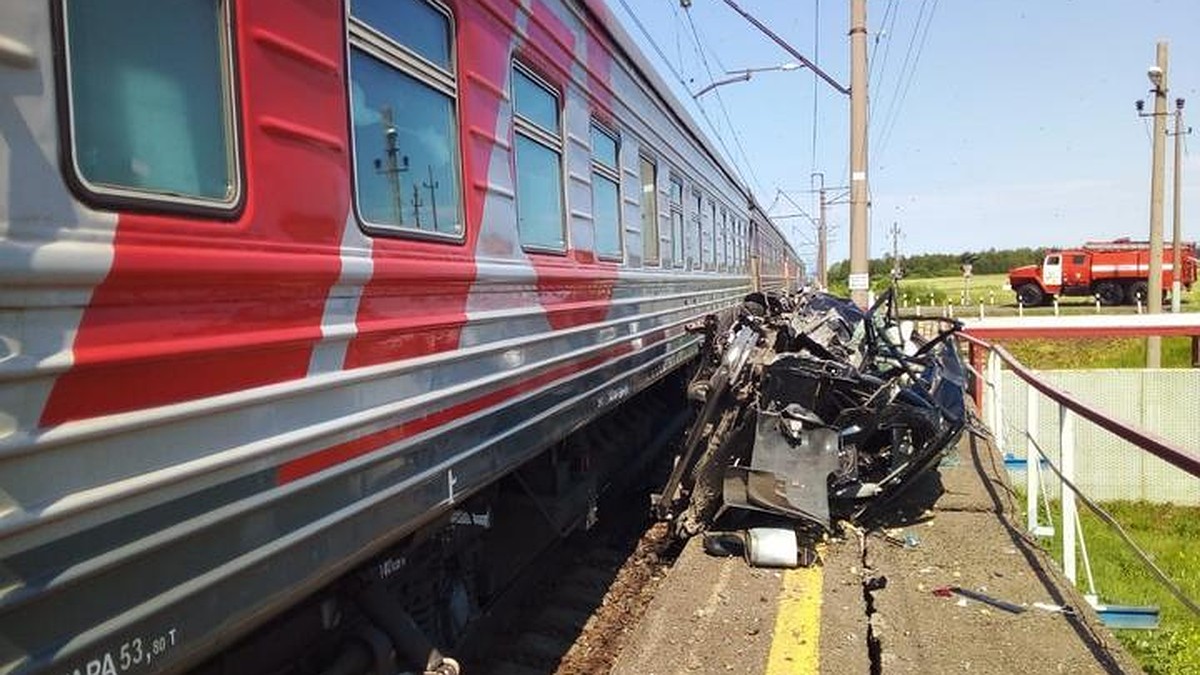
column 885, row 33
column 899, row 80
column 737, row 140
column 891, row 124
column 682, row 83
column 812, row 165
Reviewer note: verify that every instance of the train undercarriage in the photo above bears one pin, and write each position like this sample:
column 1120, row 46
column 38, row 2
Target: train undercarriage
column 430, row 594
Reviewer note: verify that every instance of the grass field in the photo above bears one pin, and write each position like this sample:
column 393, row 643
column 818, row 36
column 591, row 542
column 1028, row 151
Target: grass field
column 1097, row 352
column 991, row 290
column 1168, row 534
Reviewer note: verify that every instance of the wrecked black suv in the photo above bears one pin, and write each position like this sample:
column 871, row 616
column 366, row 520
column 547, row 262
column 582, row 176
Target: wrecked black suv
column 816, row 411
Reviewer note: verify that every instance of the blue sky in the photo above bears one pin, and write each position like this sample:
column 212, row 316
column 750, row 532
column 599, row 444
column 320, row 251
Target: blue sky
column 1015, row 128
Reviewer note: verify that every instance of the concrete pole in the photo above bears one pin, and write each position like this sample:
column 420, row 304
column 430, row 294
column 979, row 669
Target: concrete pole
column 1154, row 292
column 860, row 279
column 822, row 242
column 1176, row 226
column 895, row 252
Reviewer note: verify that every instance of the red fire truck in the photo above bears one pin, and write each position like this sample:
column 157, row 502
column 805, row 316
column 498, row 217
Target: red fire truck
column 1114, row 272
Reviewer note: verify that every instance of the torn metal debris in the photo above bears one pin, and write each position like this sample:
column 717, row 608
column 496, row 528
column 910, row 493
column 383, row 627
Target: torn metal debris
column 815, row 411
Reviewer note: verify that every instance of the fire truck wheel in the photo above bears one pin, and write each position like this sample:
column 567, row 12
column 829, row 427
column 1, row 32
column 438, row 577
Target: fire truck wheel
column 1109, row 293
column 1138, row 292
column 1030, row 295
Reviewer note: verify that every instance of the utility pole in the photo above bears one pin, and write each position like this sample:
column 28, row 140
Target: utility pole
column 860, row 280
column 822, row 228
column 823, row 240
column 1176, row 225
column 895, row 252
column 1158, row 77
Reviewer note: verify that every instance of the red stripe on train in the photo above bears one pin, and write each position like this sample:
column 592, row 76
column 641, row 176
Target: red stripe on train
column 193, row 308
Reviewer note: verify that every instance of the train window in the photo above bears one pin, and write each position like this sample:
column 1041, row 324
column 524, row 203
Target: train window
column 538, row 150
column 723, row 262
column 695, row 253
column 144, row 127
column 649, row 176
column 737, row 244
column 414, row 24
column 404, row 128
column 711, row 239
column 606, row 193
column 604, row 147
column 677, row 221
column 742, row 245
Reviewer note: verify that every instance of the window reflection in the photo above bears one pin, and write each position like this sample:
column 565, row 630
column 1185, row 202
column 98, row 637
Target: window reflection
column 538, row 151
column 405, row 149
column 412, row 23
column 406, row 162
column 151, row 103
column 539, row 198
column 606, row 194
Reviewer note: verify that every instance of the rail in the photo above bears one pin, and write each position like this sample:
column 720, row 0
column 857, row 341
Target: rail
column 1069, row 408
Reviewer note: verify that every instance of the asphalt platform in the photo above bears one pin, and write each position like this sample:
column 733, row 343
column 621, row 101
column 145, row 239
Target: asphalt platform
column 869, row 605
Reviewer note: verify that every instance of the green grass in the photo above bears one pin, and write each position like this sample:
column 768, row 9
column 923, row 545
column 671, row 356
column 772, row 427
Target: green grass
column 1075, row 353
column 1168, row 533
column 998, row 300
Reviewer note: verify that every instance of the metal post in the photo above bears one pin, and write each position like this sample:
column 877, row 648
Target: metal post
column 989, row 396
column 1176, row 227
column 998, row 430
column 1032, row 459
column 860, row 279
column 1066, row 444
column 822, row 241
column 1154, row 292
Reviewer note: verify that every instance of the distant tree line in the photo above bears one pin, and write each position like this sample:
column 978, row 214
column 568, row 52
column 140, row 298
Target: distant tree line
column 929, row 265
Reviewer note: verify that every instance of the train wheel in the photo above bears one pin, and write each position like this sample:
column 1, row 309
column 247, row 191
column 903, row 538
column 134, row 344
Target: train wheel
column 1030, row 295
column 1109, row 293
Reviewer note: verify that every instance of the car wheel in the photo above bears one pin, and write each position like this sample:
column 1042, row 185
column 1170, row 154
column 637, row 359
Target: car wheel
column 1138, row 292
column 1030, row 295
column 1109, row 293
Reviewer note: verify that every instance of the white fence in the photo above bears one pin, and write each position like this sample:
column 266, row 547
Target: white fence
column 1164, row 402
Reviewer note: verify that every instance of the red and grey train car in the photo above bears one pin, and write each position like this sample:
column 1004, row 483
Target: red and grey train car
column 285, row 283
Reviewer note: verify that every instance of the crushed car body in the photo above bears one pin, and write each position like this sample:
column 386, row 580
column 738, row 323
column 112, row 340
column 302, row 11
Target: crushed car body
column 816, row 411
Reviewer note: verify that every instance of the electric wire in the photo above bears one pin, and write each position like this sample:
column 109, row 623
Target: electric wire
column 682, row 83
column 812, row 165
column 737, row 140
column 884, row 33
column 887, row 49
column 697, row 47
column 904, row 78
column 887, row 134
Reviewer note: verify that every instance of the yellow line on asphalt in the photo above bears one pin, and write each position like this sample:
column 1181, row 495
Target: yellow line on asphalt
column 794, row 649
